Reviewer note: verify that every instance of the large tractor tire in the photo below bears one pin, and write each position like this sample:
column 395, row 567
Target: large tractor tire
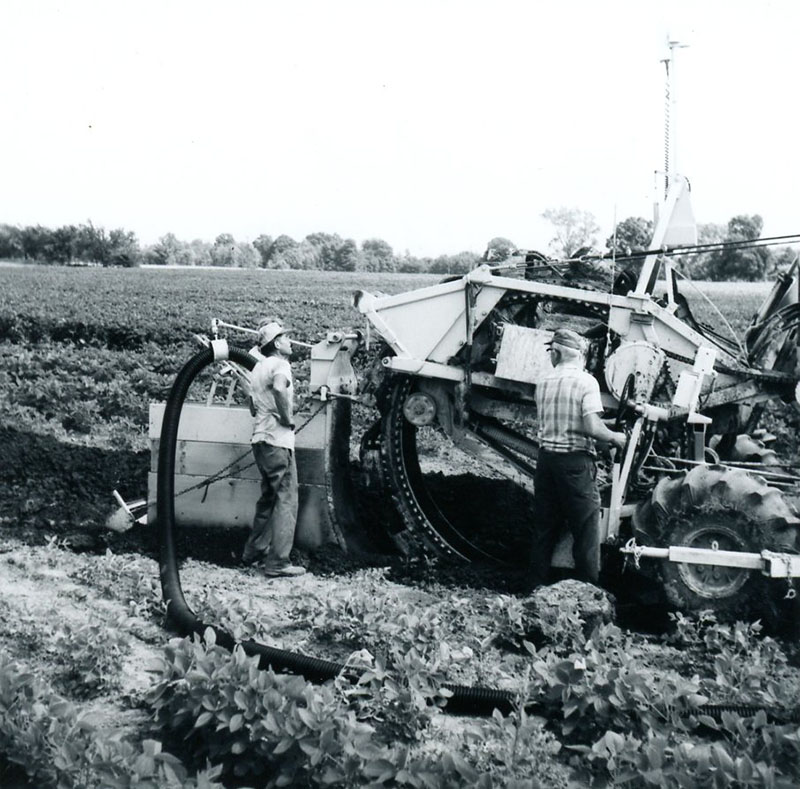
column 744, row 448
column 724, row 508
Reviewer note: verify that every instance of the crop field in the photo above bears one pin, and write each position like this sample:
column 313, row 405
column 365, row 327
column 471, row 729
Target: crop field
column 94, row 693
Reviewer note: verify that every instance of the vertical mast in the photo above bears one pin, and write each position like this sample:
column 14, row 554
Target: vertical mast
column 674, row 220
column 669, row 111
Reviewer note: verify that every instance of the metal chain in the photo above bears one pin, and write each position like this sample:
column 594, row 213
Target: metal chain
column 220, row 475
column 791, row 592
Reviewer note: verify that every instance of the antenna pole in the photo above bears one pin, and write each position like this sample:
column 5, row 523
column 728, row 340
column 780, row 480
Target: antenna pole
column 669, row 105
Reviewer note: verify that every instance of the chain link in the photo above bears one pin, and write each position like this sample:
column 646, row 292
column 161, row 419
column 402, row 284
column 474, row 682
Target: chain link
column 791, row 592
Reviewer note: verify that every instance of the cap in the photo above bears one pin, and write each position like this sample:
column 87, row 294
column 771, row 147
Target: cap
column 567, row 338
column 269, row 331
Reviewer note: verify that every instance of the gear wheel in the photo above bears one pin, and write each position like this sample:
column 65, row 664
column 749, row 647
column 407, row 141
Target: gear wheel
column 455, row 515
column 723, row 508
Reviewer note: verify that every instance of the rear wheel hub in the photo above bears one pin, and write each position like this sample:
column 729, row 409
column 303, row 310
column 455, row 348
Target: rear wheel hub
column 710, row 581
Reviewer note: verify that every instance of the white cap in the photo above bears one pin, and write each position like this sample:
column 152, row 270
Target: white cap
column 268, row 332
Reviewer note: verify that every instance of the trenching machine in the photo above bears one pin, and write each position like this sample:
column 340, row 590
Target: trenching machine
column 446, row 412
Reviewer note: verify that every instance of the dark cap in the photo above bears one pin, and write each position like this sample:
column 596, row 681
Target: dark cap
column 567, row 338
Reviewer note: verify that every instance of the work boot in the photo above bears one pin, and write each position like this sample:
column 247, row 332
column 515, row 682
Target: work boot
column 272, row 570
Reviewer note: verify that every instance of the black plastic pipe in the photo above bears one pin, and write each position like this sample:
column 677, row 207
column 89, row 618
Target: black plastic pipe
column 466, row 699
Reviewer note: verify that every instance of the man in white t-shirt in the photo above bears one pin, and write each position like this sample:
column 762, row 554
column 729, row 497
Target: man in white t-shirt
column 272, row 405
column 568, row 408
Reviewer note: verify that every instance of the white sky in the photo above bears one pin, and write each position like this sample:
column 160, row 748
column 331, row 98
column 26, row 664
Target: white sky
column 433, row 124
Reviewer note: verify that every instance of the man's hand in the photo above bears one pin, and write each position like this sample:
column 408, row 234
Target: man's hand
column 594, row 427
column 619, row 440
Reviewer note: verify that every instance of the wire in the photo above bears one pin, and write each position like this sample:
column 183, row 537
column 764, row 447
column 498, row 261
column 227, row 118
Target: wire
column 735, row 336
column 695, row 249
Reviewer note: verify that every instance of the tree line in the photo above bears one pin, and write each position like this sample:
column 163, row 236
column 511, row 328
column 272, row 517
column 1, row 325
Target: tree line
column 91, row 245
column 575, row 235
column 729, row 257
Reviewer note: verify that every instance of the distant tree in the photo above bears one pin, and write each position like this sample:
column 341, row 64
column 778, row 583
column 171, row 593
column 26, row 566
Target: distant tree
column 115, row 248
column 165, row 252
column 632, row 235
column 408, row 264
column 93, row 244
column 263, row 244
column 196, row 253
column 283, row 253
column 305, row 256
column 573, row 229
column 377, row 255
column 696, row 266
column 782, row 261
column 123, row 249
column 62, row 245
column 347, row 256
column 440, row 265
column 455, row 264
column 741, row 262
column 498, row 250
column 463, row 262
column 245, row 255
column 224, row 251
column 10, row 241
column 327, row 246
column 33, row 242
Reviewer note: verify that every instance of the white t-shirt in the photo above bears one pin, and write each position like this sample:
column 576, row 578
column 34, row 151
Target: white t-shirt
column 267, row 426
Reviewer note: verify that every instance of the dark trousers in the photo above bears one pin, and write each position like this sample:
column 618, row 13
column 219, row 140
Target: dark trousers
column 272, row 534
column 565, row 497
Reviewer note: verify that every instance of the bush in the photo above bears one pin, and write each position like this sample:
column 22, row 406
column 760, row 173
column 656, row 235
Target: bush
column 57, row 745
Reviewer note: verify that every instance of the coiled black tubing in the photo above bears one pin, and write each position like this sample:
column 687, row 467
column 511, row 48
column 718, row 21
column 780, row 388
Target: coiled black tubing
column 466, row 699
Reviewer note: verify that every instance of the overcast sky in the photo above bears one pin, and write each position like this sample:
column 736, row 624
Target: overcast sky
column 433, row 125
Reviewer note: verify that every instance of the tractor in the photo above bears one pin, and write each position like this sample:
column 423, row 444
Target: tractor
column 441, row 387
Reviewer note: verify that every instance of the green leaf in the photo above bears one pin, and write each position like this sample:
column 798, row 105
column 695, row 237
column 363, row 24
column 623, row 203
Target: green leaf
column 332, row 775
column 283, row 746
column 379, row 769
column 237, row 721
column 90, row 722
column 203, row 719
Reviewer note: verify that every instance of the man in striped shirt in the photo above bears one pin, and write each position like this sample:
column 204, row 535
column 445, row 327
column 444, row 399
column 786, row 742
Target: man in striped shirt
column 569, row 408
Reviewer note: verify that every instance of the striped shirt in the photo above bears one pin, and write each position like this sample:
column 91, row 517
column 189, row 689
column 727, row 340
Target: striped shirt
column 563, row 398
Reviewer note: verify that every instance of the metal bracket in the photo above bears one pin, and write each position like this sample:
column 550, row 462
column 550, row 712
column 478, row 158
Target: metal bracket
column 770, row 563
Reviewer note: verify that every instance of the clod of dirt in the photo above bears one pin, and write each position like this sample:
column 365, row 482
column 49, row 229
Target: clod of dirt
column 564, row 610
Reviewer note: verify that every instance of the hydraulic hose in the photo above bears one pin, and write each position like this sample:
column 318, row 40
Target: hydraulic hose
column 466, row 699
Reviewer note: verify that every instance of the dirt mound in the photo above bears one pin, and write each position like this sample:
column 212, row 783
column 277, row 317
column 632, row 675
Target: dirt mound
column 47, row 484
